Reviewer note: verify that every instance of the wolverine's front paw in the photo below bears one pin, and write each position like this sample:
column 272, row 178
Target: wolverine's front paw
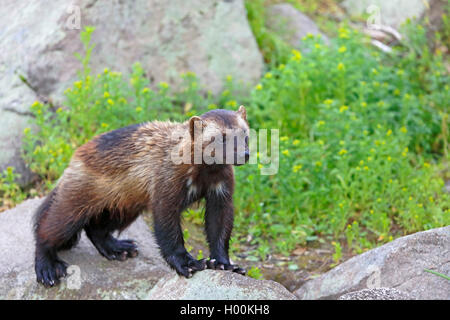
column 222, row 265
column 185, row 265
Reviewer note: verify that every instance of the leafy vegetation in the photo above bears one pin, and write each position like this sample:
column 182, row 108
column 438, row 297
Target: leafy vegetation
column 363, row 147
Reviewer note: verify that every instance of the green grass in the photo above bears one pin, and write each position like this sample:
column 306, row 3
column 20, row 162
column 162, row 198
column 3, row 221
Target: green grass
column 363, row 147
column 437, row 274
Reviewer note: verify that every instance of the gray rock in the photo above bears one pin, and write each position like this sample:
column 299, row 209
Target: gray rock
column 218, row 285
column 209, row 37
column 376, row 294
column 290, row 24
column 399, row 264
column 91, row 275
column 387, row 12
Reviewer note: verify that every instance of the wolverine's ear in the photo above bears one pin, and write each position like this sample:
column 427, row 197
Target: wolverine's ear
column 195, row 122
column 242, row 112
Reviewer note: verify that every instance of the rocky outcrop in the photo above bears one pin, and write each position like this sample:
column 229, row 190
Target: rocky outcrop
column 386, row 12
column 93, row 277
column 376, row 294
column 400, row 264
column 218, row 285
column 290, row 24
column 211, row 38
column 90, row 275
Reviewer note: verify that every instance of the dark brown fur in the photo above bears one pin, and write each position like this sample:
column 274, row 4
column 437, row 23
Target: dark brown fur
column 116, row 176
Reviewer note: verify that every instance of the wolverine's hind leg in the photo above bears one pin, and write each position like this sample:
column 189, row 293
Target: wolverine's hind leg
column 54, row 230
column 99, row 230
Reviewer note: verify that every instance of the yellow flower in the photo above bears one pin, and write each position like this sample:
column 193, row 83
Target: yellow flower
column 105, row 71
column 106, row 94
column 361, row 162
column 284, row 138
column 78, row 84
column 374, row 71
column 281, row 66
column 344, row 33
column 259, row 86
column 104, row 125
column 268, row 75
column 320, row 142
column 400, row 72
column 340, row 66
column 397, row 92
column 26, row 130
column 366, row 168
column 229, row 78
column 363, row 104
column 426, row 165
column 232, row 103
column 371, row 211
column 369, row 159
column 389, row 158
column 296, row 55
column 410, row 198
column 342, row 49
column 320, row 123
column 389, row 132
column 420, row 205
column 110, row 102
column 164, row 85
column 285, row 152
column 139, row 109
column 145, row 90
column 318, row 163
column 342, row 152
column 328, row 101
column 431, row 199
column 403, row 129
column 295, row 142
column 297, row 167
column 35, row 104
column 343, row 108
column 260, row 166
column 59, row 110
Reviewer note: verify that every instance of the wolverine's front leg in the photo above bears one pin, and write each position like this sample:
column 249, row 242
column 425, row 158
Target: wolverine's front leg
column 219, row 217
column 169, row 238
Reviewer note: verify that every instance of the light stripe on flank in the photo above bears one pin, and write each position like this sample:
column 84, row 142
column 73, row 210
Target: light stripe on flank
column 192, row 189
column 219, row 189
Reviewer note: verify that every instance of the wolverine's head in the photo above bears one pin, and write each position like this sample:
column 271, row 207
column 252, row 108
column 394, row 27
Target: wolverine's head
column 222, row 136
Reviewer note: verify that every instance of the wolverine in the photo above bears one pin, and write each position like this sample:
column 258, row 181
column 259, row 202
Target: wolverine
column 120, row 174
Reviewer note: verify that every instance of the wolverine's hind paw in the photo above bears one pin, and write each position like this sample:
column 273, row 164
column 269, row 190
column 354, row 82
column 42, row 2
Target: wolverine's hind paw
column 113, row 249
column 49, row 272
